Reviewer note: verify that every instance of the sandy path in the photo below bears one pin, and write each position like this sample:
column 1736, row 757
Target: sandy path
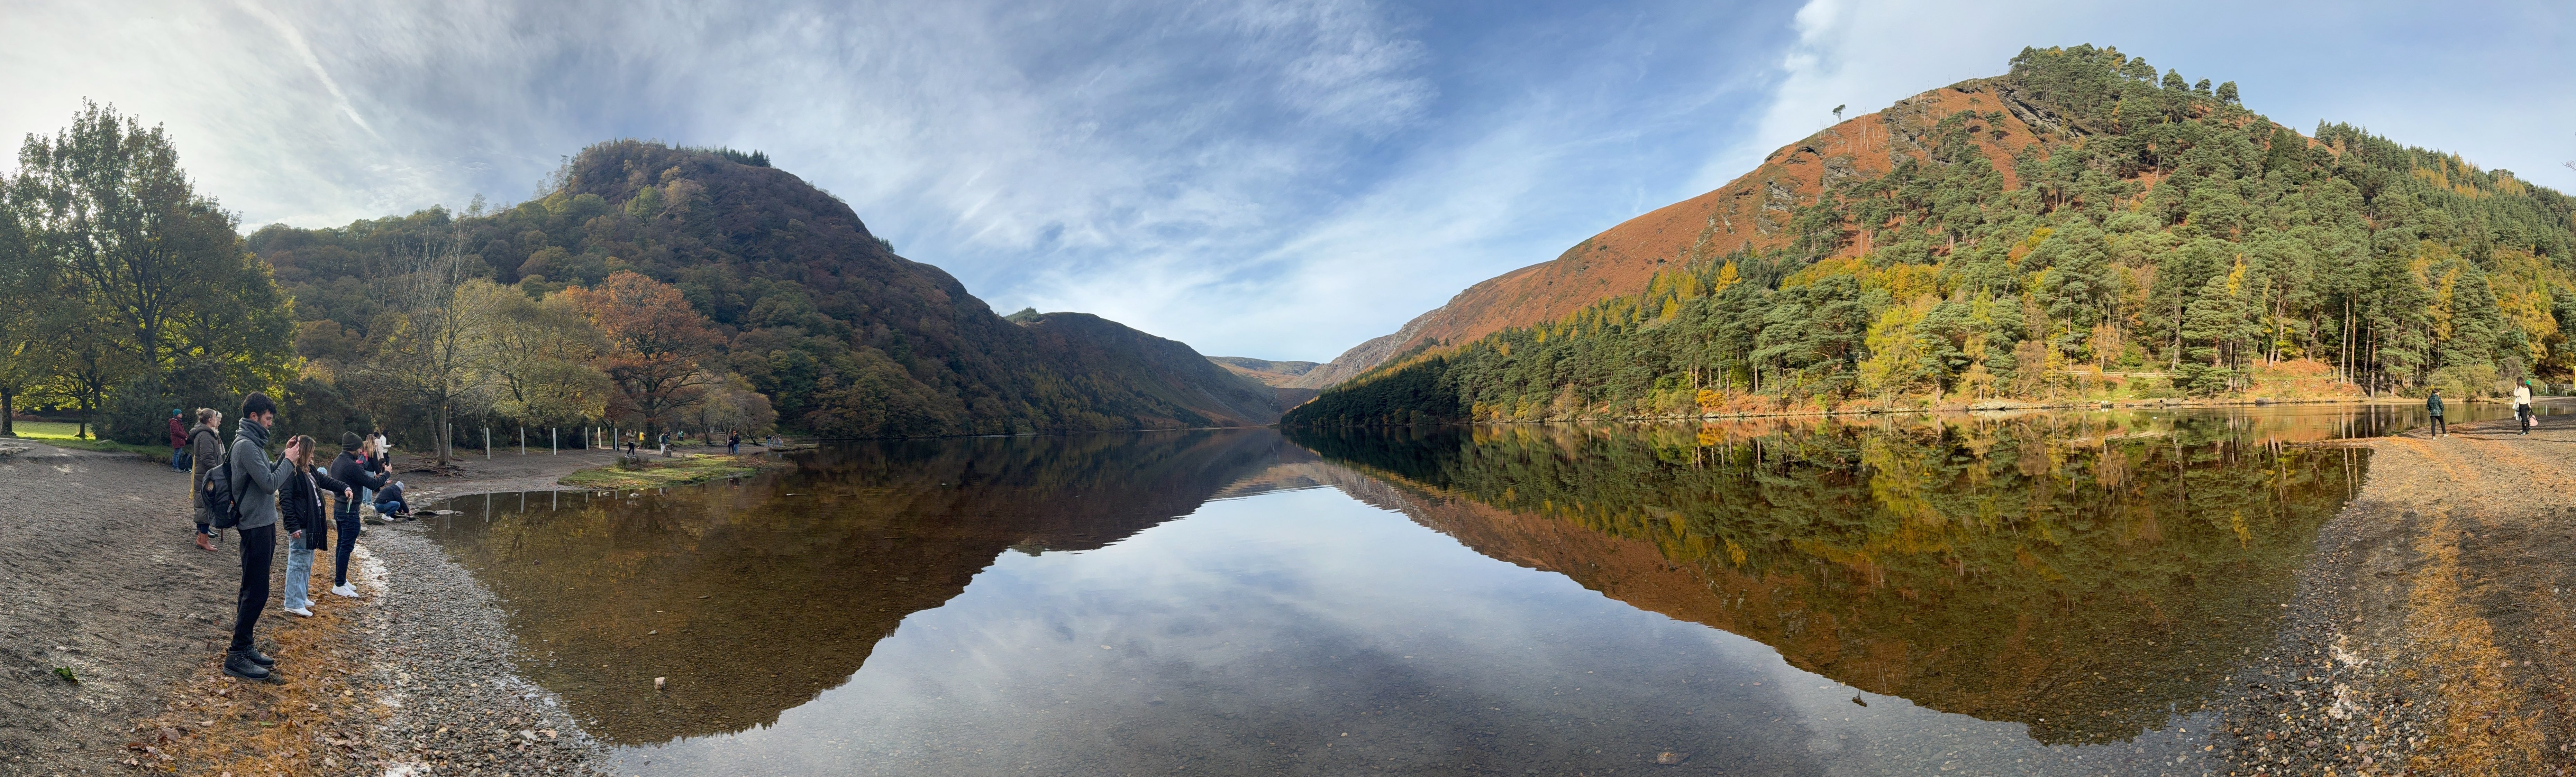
column 97, row 575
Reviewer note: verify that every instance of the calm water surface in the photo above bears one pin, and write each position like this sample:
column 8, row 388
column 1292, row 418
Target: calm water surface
column 2043, row 594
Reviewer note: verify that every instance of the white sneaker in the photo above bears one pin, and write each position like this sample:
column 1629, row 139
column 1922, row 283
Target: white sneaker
column 300, row 611
column 345, row 589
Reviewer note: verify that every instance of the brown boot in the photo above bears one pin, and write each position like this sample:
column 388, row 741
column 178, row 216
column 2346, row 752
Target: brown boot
column 205, row 543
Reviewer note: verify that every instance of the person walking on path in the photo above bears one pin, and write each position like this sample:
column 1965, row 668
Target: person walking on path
column 205, row 452
column 2522, row 407
column 178, row 442
column 255, row 482
column 352, row 469
column 301, row 511
column 733, row 443
column 2433, row 406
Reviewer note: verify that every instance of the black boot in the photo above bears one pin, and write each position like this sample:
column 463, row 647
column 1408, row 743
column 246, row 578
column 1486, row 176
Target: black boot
column 239, row 665
column 262, row 659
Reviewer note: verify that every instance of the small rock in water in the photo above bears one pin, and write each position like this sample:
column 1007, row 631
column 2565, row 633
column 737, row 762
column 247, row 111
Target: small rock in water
column 1669, row 758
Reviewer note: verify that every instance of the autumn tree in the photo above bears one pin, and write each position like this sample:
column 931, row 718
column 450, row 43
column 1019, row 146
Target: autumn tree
column 537, row 354
column 656, row 343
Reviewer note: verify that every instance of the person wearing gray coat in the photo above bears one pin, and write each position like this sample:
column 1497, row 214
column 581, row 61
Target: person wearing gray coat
column 255, row 481
column 205, row 452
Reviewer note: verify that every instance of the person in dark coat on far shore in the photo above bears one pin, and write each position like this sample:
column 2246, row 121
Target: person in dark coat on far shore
column 2433, row 406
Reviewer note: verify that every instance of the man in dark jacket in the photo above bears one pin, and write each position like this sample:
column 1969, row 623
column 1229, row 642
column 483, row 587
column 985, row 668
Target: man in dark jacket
column 2433, row 405
column 255, row 480
column 355, row 469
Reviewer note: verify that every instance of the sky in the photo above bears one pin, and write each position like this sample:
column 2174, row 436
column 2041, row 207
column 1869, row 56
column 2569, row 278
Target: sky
column 1271, row 178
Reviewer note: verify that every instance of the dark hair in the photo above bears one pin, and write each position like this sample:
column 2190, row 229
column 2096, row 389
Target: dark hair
column 257, row 403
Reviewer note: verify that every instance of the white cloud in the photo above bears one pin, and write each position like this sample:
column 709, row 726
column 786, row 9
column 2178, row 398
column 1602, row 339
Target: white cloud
column 1278, row 178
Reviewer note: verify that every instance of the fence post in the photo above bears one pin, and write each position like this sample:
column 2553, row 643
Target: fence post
column 523, row 441
column 487, row 443
column 553, row 448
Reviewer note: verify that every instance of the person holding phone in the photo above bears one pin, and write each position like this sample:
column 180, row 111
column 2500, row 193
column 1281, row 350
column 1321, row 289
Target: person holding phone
column 255, row 482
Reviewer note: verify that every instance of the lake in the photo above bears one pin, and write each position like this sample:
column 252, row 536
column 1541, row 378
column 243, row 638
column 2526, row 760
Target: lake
column 2039, row 593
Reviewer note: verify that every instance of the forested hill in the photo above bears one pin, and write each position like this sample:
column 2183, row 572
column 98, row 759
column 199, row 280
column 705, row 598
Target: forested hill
column 804, row 305
column 2080, row 226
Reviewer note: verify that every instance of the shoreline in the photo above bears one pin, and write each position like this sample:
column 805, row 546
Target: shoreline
column 421, row 671
column 2423, row 635
column 2426, row 634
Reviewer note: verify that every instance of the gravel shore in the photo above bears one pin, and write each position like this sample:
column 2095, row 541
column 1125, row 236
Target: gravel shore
column 2428, row 635
column 453, row 700
column 99, row 579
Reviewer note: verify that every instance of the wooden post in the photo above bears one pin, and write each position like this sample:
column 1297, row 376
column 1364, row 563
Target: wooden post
column 487, row 443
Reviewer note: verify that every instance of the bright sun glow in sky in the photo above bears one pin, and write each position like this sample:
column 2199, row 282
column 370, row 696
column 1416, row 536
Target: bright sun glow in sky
column 1270, row 178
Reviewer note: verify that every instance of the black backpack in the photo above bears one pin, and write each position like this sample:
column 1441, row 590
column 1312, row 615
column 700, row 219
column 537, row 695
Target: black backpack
column 215, row 493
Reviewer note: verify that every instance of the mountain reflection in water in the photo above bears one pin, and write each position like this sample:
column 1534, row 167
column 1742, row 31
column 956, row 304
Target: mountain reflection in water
column 769, row 590
column 2090, row 575
column 2072, row 578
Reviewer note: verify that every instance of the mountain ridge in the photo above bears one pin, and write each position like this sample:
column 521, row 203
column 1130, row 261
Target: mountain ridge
column 844, row 336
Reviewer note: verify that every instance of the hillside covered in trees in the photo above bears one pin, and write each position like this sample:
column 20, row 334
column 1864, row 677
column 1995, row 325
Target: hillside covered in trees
column 803, row 305
column 2079, row 226
column 650, row 288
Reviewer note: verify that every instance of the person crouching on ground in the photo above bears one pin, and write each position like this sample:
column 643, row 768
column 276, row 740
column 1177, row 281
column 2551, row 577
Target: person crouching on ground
column 389, row 501
column 300, row 509
column 255, row 482
column 352, row 469
column 205, row 452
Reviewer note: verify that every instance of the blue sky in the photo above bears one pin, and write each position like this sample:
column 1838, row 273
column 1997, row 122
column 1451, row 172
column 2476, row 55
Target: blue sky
column 1280, row 179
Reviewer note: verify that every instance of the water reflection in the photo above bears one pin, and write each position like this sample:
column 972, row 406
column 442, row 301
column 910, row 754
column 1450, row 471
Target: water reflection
column 1886, row 597
column 754, row 596
column 2089, row 575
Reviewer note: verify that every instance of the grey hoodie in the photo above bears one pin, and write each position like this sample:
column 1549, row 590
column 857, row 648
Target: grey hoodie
column 255, row 478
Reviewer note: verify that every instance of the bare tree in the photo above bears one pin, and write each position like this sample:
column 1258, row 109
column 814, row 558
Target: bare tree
column 430, row 354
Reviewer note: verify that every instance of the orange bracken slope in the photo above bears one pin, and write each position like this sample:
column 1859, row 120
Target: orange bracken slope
column 1750, row 212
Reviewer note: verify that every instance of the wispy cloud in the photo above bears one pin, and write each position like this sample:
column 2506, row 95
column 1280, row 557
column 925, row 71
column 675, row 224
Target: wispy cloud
column 1277, row 178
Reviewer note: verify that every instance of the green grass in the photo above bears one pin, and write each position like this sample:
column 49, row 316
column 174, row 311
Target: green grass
column 61, row 435
column 661, row 473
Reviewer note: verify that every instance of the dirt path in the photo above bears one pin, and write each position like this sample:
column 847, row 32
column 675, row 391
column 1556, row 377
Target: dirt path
column 98, row 576
column 2432, row 632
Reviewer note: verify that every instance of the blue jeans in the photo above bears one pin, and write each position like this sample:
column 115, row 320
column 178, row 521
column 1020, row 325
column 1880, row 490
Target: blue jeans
column 299, row 574
column 389, row 507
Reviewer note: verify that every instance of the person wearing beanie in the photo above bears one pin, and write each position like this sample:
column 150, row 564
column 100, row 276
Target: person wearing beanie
column 255, row 482
column 352, row 468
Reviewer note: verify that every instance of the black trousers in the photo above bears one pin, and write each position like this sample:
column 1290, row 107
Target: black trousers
column 258, row 553
column 2439, row 427
column 348, row 520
